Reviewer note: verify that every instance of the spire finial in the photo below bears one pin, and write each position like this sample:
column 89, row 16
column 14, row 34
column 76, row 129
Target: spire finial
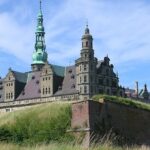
column 87, row 23
column 87, row 31
column 40, row 5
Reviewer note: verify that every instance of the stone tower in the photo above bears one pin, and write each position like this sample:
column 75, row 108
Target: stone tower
column 86, row 67
column 39, row 56
column 145, row 93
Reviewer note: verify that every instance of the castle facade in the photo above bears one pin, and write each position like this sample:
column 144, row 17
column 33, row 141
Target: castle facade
column 87, row 77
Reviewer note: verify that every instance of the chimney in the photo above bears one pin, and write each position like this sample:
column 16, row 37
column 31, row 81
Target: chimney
column 137, row 89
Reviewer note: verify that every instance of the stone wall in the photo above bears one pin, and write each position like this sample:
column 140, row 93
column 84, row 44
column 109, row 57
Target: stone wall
column 20, row 104
column 126, row 121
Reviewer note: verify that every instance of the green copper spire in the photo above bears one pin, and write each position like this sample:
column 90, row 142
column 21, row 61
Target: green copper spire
column 40, row 55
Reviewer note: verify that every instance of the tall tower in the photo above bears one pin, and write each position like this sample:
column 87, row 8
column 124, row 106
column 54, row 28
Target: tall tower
column 86, row 67
column 39, row 56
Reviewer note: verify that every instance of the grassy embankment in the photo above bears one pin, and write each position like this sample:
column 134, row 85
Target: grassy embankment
column 44, row 127
column 124, row 101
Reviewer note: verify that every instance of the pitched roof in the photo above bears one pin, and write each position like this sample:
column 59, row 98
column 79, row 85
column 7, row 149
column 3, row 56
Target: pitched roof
column 21, row 77
column 69, row 82
column 58, row 70
column 32, row 88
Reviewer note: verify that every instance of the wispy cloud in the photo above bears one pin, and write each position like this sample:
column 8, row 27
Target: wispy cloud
column 119, row 28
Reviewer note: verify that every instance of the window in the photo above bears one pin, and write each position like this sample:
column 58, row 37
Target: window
column 46, row 91
column 49, row 91
column 37, row 82
column 80, row 89
column 80, row 68
column 43, row 91
column 85, row 78
column 43, row 79
column 7, row 96
column 39, row 91
column 70, row 71
column 72, row 76
column 85, row 89
column 11, row 95
column 73, row 86
column 87, row 44
column 11, row 84
column 46, row 71
column 33, row 77
column 85, row 67
column 80, row 79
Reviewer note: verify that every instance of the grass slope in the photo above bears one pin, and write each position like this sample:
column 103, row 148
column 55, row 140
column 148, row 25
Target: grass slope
column 40, row 124
column 125, row 101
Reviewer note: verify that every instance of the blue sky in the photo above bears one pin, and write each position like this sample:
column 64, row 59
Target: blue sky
column 120, row 28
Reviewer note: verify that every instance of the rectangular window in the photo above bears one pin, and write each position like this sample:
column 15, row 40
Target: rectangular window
column 85, row 67
column 85, row 78
column 85, row 89
column 80, row 79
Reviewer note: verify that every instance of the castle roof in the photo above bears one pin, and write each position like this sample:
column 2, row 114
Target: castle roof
column 69, row 82
column 21, row 77
column 32, row 88
column 58, row 70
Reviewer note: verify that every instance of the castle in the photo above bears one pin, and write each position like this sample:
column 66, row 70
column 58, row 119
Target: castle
column 87, row 77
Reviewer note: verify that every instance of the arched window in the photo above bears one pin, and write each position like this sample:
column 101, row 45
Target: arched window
column 87, row 43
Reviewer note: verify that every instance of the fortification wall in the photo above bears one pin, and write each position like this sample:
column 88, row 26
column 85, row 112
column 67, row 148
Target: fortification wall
column 131, row 123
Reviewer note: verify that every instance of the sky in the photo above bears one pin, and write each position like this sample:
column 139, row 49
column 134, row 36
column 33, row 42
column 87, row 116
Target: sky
column 120, row 28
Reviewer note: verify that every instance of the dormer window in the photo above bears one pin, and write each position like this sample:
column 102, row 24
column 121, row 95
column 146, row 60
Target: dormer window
column 33, row 77
column 72, row 76
column 60, row 88
column 70, row 71
column 37, row 82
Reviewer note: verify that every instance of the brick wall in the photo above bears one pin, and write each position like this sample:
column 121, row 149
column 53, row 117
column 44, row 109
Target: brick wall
column 131, row 123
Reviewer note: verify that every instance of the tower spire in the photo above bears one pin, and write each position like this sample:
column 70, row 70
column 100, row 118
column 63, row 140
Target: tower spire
column 40, row 55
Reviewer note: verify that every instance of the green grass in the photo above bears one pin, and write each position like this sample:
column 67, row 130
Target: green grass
column 125, row 101
column 40, row 124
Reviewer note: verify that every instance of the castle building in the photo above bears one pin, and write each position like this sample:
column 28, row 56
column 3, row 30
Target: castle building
column 87, row 77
